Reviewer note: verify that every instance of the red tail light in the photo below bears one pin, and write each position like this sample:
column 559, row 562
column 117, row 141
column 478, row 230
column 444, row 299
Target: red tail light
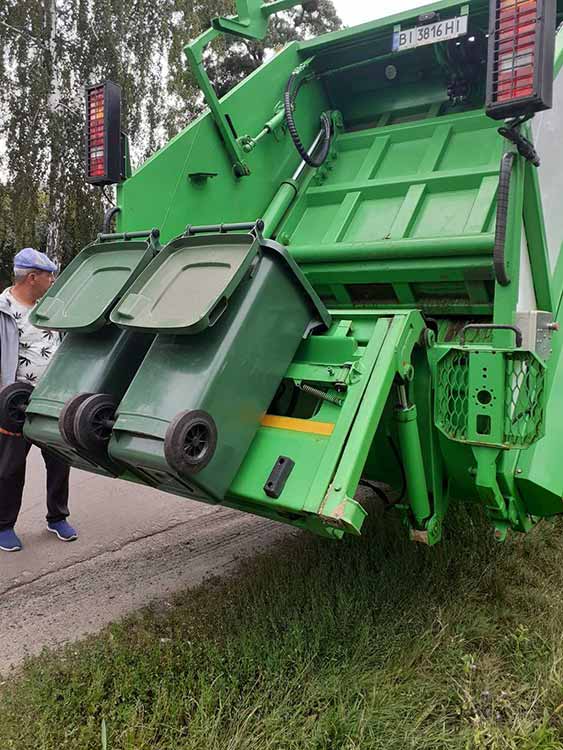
column 517, row 46
column 521, row 57
column 103, row 134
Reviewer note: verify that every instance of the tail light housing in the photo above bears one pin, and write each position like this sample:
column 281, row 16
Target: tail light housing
column 103, row 134
column 521, row 57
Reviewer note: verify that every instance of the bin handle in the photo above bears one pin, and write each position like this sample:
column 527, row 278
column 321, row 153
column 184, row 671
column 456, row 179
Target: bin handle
column 491, row 327
column 192, row 229
column 217, row 311
column 154, row 234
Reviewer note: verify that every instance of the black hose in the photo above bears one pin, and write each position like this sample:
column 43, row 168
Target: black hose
column 499, row 260
column 288, row 102
column 108, row 216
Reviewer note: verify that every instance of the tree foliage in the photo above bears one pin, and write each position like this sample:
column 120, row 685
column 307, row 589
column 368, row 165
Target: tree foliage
column 51, row 49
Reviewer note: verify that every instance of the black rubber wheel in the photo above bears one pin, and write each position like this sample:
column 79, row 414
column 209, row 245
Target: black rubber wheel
column 66, row 418
column 93, row 423
column 190, row 442
column 13, row 401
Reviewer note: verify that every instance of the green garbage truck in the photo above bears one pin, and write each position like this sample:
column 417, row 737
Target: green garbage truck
column 347, row 270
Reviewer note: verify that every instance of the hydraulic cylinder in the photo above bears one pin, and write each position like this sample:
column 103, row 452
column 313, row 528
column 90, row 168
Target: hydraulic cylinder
column 411, row 453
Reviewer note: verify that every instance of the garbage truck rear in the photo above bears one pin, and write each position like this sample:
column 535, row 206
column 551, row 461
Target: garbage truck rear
column 346, row 270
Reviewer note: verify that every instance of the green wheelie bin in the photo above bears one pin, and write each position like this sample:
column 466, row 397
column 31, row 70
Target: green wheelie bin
column 229, row 311
column 96, row 360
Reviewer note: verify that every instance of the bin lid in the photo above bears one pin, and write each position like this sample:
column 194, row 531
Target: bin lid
column 82, row 296
column 188, row 285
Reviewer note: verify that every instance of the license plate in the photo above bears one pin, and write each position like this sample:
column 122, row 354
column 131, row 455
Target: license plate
column 430, row 33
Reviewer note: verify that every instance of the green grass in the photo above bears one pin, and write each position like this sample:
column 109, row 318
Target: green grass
column 370, row 643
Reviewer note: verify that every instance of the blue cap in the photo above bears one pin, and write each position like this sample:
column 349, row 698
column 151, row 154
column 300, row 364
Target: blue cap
column 33, row 259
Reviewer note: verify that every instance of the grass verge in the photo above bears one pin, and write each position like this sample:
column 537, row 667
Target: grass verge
column 370, row 643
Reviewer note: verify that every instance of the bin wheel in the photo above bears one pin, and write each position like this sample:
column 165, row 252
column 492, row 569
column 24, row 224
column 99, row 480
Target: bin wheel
column 66, row 418
column 13, row 401
column 190, row 442
column 93, row 422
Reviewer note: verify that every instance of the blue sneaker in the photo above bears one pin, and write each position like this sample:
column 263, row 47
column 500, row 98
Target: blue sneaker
column 9, row 541
column 63, row 530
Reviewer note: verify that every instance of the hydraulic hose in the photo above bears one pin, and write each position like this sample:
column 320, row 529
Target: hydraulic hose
column 108, row 216
column 288, row 102
column 499, row 260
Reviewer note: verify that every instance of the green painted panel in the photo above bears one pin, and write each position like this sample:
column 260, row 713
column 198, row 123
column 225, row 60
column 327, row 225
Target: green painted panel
column 348, row 163
column 473, row 148
column 313, row 221
column 161, row 194
column 270, row 443
column 373, row 219
column 402, row 159
column 539, row 477
column 444, row 213
column 423, row 180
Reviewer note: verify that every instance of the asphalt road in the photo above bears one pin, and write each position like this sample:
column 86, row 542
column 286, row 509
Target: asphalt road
column 136, row 546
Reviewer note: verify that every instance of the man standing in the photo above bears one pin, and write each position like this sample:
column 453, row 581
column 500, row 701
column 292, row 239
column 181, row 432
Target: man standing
column 25, row 352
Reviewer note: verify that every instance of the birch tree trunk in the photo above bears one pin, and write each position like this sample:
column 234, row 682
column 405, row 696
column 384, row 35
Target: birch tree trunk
column 56, row 197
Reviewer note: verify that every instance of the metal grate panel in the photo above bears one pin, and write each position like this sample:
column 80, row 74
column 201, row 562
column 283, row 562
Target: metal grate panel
column 523, row 401
column 525, row 385
column 452, row 395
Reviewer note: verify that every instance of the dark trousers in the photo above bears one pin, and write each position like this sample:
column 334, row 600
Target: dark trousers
column 13, row 455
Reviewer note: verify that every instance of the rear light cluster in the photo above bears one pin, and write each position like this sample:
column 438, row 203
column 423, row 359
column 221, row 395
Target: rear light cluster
column 96, row 134
column 516, row 49
column 521, row 57
column 103, row 134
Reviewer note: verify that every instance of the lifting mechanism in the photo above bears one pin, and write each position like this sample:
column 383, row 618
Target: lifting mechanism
column 346, row 271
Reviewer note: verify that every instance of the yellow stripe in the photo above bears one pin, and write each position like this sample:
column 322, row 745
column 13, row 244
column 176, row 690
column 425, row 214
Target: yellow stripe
column 298, row 425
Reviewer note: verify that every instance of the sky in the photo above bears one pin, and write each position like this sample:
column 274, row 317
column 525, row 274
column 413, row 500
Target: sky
column 353, row 12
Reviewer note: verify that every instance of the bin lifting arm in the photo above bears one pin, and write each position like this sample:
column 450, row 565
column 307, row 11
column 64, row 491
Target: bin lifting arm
column 250, row 23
